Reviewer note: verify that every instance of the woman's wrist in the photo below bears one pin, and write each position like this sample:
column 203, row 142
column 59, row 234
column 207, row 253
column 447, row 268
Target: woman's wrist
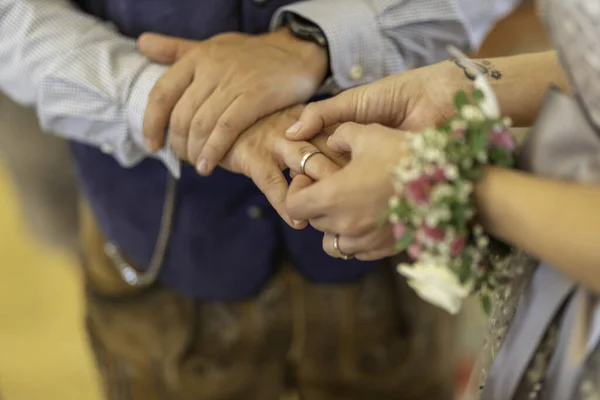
column 519, row 82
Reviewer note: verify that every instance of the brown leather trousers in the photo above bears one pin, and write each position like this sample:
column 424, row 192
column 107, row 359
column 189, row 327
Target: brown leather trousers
column 369, row 340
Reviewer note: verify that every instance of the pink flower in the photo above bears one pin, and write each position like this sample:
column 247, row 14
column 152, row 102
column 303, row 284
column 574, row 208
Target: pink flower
column 399, row 230
column 458, row 133
column 414, row 251
column 433, row 233
column 418, row 190
column 502, row 139
column 458, row 246
column 439, row 175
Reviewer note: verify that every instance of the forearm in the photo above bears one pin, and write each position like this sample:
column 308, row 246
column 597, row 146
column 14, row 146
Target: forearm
column 557, row 222
column 520, row 82
column 87, row 82
column 371, row 39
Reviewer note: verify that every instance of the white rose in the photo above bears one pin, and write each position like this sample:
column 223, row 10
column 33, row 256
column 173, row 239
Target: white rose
column 436, row 285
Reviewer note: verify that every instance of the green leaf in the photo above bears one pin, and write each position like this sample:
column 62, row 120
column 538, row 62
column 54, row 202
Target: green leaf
column 486, row 304
column 405, row 241
column 460, row 99
column 477, row 96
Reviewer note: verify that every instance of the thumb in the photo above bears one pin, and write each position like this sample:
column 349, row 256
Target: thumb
column 319, row 115
column 163, row 49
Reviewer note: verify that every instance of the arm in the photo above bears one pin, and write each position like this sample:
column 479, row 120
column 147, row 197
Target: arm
column 87, row 82
column 523, row 82
column 555, row 221
column 423, row 97
column 370, row 39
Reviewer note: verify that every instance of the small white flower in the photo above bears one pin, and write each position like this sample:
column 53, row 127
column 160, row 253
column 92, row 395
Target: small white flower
column 441, row 191
column 416, row 220
column 482, row 241
column 429, row 169
column 394, row 202
column 394, row 219
column 482, row 157
column 507, row 121
column 432, row 220
column 451, row 172
column 431, row 154
column 472, row 113
column 458, row 124
column 478, row 230
column 436, row 284
column 418, row 144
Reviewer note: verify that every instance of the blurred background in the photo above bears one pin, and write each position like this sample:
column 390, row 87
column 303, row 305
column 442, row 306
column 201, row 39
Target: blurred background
column 43, row 350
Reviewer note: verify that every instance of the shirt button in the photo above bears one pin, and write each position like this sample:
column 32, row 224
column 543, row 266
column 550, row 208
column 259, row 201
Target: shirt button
column 106, row 148
column 356, row 72
column 254, row 212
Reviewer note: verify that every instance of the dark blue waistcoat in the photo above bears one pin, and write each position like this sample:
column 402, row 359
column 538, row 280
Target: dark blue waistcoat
column 226, row 239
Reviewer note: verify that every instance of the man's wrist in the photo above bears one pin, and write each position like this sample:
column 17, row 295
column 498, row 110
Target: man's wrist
column 311, row 54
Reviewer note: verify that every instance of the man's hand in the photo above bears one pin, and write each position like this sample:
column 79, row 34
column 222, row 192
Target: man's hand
column 262, row 153
column 219, row 87
column 410, row 101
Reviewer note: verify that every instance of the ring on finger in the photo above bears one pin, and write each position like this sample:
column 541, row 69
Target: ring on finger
column 306, row 157
column 336, row 246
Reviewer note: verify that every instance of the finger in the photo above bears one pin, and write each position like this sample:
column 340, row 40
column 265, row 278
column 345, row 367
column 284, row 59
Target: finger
column 298, row 183
column 163, row 49
column 203, row 124
column 293, row 174
column 376, row 243
column 347, row 137
column 182, row 115
column 317, row 166
column 162, row 99
column 319, row 115
column 270, row 181
column 311, row 202
column 240, row 115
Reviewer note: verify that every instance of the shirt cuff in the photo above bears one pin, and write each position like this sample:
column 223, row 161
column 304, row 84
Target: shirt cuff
column 356, row 45
column 136, row 107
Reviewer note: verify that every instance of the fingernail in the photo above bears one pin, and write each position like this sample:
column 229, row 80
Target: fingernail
column 294, row 128
column 202, row 167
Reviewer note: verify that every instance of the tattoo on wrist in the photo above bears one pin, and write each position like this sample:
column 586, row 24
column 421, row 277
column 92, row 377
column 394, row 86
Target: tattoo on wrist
column 486, row 67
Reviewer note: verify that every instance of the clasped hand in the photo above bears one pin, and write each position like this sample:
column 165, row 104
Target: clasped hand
column 228, row 100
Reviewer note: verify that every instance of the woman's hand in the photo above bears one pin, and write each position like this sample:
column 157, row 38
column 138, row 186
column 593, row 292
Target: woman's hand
column 351, row 201
column 408, row 101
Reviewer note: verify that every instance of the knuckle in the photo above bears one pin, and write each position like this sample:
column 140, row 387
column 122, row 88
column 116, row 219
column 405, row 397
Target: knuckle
column 273, row 178
column 177, row 125
column 304, row 149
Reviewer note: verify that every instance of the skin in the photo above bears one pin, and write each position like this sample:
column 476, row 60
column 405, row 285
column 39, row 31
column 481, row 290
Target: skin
column 222, row 104
column 218, row 88
column 262, row 152
column 422, row 97
column 535, row 217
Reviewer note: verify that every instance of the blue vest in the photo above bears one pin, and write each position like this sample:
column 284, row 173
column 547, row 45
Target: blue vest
column 226, row 238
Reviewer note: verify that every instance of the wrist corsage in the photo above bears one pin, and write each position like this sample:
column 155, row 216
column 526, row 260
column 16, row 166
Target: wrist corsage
column 433, row 211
